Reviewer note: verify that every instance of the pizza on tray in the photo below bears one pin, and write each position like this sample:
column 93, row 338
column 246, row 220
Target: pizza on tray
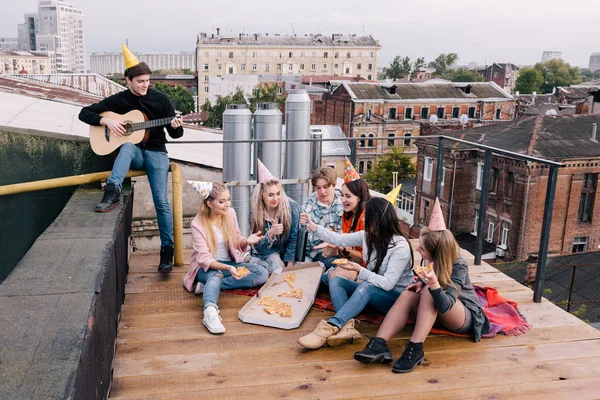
column 297, row 293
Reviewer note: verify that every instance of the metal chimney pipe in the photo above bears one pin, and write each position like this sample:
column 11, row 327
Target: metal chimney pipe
column 297, row 126
column 594, row 130
column 236, row 159
column 316, row 151
column 267, row 125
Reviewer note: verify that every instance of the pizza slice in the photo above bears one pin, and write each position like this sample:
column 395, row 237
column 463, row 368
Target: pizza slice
column 270, row 310
column 340, row 261
column 285, row 311
column 243, row 271
column 290, row 279
column 297, row 293
column 270, row 302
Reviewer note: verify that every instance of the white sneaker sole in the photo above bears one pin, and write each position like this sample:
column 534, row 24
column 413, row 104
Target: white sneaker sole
column 213, row 331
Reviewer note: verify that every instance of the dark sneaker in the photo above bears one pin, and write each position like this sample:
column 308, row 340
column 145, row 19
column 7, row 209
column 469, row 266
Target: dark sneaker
column 111, row 198
column 413, row 355
column 376, row 351
column 166, row 259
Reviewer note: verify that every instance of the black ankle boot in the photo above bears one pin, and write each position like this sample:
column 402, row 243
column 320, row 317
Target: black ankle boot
column 166, row 259
column 413, row 355
column 111, row 198
column 376, row 351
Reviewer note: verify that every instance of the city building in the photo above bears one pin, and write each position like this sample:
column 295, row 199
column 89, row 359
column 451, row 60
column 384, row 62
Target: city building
column 22, row 62
column 503, row 74
column 550, row 55
column 386, row 110
column 57, row 27
column 255, row 54
column 594, row 62
column 517, row 189
column 113, row 63
column 11, row 44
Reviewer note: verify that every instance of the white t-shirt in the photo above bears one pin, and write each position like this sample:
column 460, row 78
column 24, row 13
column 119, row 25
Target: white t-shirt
column 222, row 253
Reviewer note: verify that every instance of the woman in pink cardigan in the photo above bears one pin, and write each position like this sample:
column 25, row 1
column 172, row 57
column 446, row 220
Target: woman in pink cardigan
column 217, row 247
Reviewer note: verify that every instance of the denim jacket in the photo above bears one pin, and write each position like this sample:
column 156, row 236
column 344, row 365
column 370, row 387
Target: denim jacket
column 285, row 247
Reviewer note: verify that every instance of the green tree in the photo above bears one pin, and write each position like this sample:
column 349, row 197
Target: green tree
column 402, row 67
column 589, row 75
column 417, row 65
column 187, row 71
column 215, row 112
column 379, row 177
column 529, row 81
column 466, row 75
column 443, row 65
column 265, row 94
column 180, row 96
column 556, row 72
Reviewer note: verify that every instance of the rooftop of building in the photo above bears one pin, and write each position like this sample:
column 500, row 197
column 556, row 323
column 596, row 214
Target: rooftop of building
column 324, row 79
column 559, row 137
column 432, row 89
column 312, row 40
column 18, row 53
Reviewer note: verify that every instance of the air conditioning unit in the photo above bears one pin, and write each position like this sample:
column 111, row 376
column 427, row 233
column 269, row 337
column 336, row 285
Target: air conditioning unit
column 499, row 251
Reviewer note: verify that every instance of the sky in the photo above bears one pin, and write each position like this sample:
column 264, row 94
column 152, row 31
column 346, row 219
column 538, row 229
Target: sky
column 514, row 31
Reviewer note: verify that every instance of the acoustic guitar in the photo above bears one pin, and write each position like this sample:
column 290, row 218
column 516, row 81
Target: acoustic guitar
column 136, row 130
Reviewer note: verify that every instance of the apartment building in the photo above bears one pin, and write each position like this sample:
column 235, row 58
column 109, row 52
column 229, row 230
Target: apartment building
column 22, row 62
column 314, row 54
column 113, row 63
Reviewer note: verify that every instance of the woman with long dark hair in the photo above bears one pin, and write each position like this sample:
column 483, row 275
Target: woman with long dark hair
column 388, row 258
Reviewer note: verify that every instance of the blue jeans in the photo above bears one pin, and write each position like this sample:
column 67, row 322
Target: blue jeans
column 156, row 164
column 215, row 280
column 270, row 262
column 361, row 294
column 327, row 261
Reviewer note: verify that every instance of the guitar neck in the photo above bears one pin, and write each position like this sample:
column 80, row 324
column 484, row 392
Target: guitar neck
column 151, row 124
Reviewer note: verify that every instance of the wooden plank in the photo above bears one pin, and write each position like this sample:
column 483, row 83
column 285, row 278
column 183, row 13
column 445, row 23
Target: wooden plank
column 339, row 380
column 248, row 351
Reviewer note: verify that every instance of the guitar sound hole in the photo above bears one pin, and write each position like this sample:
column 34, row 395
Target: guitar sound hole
column 128, row 126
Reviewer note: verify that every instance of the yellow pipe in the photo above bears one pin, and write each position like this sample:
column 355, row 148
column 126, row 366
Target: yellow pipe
column 177, row 214
column 60, row 182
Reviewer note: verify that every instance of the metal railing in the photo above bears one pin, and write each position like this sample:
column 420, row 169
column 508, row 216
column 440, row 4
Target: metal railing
column 98, row 176
column 441, row 139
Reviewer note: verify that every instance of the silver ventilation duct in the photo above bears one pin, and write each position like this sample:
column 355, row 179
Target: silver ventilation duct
column 267, row 125
column 297, row 126
column 236, row 159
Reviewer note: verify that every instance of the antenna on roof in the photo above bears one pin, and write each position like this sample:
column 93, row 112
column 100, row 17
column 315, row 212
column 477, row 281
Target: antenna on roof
column 363, row 27
column 293, row 31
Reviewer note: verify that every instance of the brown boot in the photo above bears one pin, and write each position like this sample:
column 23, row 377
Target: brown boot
column 347, row 334
column 318, row 337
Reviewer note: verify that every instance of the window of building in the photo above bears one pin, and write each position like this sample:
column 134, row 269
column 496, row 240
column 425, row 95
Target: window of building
column 364, row 166
column 479, row 176
column 267, row 67
column 206, row 67
column 313, row 67
column 369, row 165
column 371, row 54
column 370, row 67
column 426, row 210
column 455, row 112
column 408, row 113
column 580, row 244
column 361, row 143
column 254, row 67
column 335, row 66
column 443, row 176
column 471, row 112
column 219, row 55
column 205, row 78
column 505, row 232
column 290, row 54
column 280, row 90
column 348, row 55
column 588, row 194
column 407, row 136
column 206, row 89
column 254, row 54
column 314, row 55
column 476, row 222
column 498, row 114
column 218, row 67
column 510, row 185
column 392, row 113
column 324, row 67
column 424, row 112
column 347, row 70
column 358, row 66
column 231, row 54
column 336, row 55
column 278, row 67
column 368, row 115
column 359, row 55
column 369, row 77
column 206, row 54
column 301, row 66
column 268, row 54
column 230, row 70
column 491, row 227
column 325, row 55
column 302, row 54
column 427, row 169
column 494, row 181
column 390, row 142
column 371, row 141
column 290, row 67
column 440, row 112
column 243, row 67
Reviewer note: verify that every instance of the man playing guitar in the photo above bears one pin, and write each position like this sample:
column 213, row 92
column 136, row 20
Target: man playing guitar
column 150, row 155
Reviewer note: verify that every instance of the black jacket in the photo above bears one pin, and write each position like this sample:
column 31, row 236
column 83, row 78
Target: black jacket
column 154, row 104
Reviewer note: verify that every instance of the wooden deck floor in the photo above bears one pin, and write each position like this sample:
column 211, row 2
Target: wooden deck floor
column 164, row 352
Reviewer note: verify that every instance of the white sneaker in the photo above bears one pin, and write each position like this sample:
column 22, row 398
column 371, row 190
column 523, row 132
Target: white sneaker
column 212, row 320
column 277, row 271
column 199, row 289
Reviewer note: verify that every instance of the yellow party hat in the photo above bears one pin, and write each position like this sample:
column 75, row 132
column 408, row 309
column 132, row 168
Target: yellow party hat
column 130, row 59
column 393, row 195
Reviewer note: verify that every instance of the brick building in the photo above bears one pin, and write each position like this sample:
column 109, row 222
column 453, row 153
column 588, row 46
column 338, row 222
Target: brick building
column 503, row 74
column 369, row 110
column 513, row 219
